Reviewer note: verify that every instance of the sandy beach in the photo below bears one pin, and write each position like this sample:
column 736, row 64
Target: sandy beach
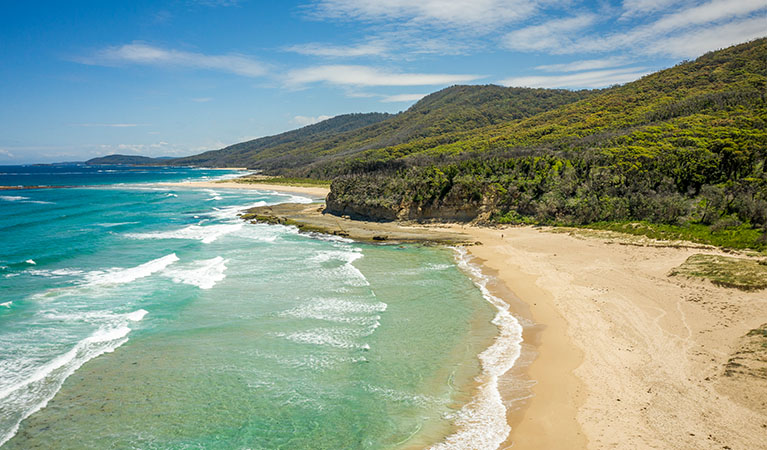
column 313, row 191
column 649, row 351
column 623, row 354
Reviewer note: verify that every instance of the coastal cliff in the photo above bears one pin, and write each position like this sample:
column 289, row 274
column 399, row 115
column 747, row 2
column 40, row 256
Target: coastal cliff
column 356, row 198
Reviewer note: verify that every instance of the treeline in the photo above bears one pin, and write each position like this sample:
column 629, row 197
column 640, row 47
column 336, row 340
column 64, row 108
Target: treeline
column 576, row 188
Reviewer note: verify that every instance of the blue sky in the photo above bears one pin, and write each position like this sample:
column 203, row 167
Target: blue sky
column 80, row 79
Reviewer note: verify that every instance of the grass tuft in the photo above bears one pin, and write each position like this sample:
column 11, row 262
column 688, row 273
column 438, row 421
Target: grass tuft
column 741, row 273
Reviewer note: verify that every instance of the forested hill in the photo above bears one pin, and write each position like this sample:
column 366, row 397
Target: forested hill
column 685, row 147
column 454, row 109
column 277, row 147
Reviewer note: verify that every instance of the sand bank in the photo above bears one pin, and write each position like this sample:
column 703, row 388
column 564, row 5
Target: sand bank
column 626, row 356
column 313, row 191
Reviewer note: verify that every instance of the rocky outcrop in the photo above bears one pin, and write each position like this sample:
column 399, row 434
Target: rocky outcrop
column 359, row 198
column 310, row 218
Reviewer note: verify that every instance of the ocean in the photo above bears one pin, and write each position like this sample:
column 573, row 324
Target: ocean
column 134, row 315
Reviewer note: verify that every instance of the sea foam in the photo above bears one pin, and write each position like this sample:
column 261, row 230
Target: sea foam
column 20, row 199
column 214, row 196
column 204, row 234
column 482, row 422
column 348, row 272
column 128, row 275
column 203, row 274
column 24, row 394
column 346, row 338
column 340, row 311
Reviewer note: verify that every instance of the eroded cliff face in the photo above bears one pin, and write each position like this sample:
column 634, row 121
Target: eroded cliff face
column 360, row 209
column 371, row 203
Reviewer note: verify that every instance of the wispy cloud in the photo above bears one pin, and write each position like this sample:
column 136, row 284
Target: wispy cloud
column 707, row 23
column 346, row 75
column 309, row 120
column 549, row 35
column 712, row 11
column 588, row 64
column 144, row 54
column 634, row 8
column 439, row 13
column 332, row 51
column 6, row 153
column 700, row 41
column 588, row 79
column 107, row 125
column 403, row 98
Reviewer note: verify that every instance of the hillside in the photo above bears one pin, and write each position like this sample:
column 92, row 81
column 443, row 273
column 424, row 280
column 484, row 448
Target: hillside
column 247, row 154
column 685, row 146
column 454, row 109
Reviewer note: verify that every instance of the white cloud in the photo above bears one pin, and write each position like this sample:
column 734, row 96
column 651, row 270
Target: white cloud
column 107, row 125
column 331, row 51
column 704, row 21
column 641, row 7
column 588, row 64
column 440, row 13
column 6, row 153
column 709, row 12
column 352, row 93
column 701, row 41
column 369, row 76
column 589, row 79
column 403, row 98
column 138, row 53
column 549, row 35
column 308, row 120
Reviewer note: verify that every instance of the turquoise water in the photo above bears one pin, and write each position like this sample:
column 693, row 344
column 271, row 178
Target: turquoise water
column 140, row 316
column 81, row 174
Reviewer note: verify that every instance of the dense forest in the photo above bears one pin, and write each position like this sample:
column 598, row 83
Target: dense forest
column 681, row 149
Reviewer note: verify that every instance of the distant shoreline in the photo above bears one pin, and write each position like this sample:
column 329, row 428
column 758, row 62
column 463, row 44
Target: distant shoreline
column 623, row 355
column 314, row 191
column 26, row 188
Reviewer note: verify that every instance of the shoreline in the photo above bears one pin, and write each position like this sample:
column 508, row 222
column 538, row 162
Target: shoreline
column 623, row 354
column 546, row 418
